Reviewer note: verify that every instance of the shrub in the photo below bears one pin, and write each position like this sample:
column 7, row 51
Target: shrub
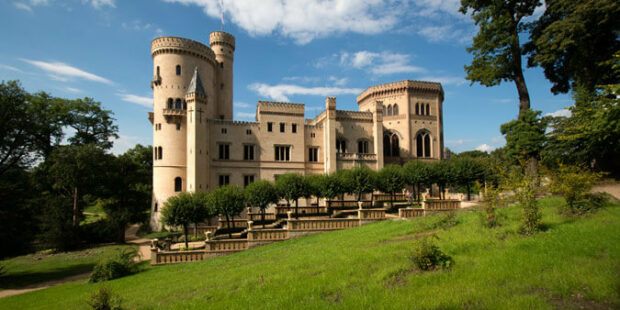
column 427, row 256
column 2, row 270
column 444, row 220
column 574, row 184
column 104, row 299
column 492, row 200
column 121, row 265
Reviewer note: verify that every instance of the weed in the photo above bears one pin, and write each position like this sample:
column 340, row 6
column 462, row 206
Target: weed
column 427, row 256
column 104, row 299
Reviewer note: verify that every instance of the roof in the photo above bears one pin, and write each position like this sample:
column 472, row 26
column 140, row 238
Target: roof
column 195, row 85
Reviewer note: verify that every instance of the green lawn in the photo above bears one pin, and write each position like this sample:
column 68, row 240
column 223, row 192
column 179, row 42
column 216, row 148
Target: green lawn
column 573, row 264
column 36, row 268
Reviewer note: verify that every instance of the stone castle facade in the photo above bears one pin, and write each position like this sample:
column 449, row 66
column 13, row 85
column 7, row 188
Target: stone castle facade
column 198, row 146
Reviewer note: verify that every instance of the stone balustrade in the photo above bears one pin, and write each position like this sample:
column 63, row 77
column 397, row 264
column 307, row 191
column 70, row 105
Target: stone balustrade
column 258, row 216
column 321, row 224
column 347, row 203
column 436, row 205
column 175, row 257
column 238, row 223
column 371, row 214
column 357, row 156
column 398, row 196
column 201, row 230
column 267, row 234
column 226, row 245
column 281, row 210
column 410, row 212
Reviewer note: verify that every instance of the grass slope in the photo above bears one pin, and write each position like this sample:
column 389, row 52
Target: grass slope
column 573, row 264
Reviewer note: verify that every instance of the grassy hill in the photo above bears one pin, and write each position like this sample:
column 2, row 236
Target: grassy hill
column 574, row 263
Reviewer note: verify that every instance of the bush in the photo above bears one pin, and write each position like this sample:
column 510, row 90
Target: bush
column 2, row 270
column 492, row 200
column 574, row 184
column 102, row 231
column 427, row 256
column 104, row 299
column 445, row 220
column 121, row 265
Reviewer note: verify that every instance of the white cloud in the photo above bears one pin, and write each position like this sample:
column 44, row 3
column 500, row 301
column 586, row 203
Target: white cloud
column 98, row 4
column 11, row 68
column 302, row 20
column 460, row 141
column 281, row 92
column 246, row 115
column 447, row 33
column 22, row 6
column 338, row 81
column 444, row 80
column 39, row 2
column 136, row 25
column 383, row 63
column 302, row 79
column 72, row 90
column 139, row 100
column 485, row 148
column 63, row 72
column 241, row 105
column 560, row 113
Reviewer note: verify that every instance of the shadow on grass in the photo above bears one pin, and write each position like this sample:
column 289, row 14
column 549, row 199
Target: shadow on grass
column 24, row 279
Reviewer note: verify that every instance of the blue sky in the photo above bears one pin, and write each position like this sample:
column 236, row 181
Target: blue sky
column 297, row 51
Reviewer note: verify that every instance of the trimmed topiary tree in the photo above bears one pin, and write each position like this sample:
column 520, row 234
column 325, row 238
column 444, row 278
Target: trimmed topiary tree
column 390, row 180
column 229, row 201
column 184, row 209
column 261, row 194
column 292, row 186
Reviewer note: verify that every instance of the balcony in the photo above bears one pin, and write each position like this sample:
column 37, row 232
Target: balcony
column 156, row 81
column 357, row 156
column 174, row 115
column 151, row 117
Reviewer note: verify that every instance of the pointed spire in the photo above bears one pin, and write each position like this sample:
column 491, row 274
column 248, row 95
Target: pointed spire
column 195, row 86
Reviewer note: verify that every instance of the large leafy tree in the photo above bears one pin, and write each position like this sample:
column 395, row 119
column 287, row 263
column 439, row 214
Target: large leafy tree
column 362, row 181
column 261, row 194
column 292, row 186
column 443, row 174
column 574, row 41
column 391, row 180
column 227, row 200
column 317, row 184
column 496, row 47
column 416, row 174
column 467, row 171
column 179, row 211
column 525, row 137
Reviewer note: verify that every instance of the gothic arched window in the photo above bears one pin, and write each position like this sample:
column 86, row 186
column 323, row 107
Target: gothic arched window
column 178, row 184
column 178, row 104
column 395, row 110
column 428, row 109
column 389, row 113
column 423, row 144
column 170, row 103
column 159, row 153
column 341, row 145
column 417, row 108
column 391, row 144
column 362, row 146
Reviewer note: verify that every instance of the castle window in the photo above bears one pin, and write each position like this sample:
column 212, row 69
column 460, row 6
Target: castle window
column 184, row 105
column 341, row 145
column 178, row 126
column 178, row 104
column 395, row 110
column 248, row 179
column 178, row 184
column 389, row 112
column 178, row 69
column 248, row 131
column 391, row 147
column 155, row 207
column 248, row 152
column 157, row 71
column 423, row 144
column 221, row 65
column 282, row 153
column 428, row 109
column 159, row 153
column 223, row 151
column 362, row 146
column 417, row 108
column 282, row 125
column 270, row 126
column 294, row 128
column 224, row 130
column 170, row 103
column 313, row 154
column 312, row 135
column 224, row 179
column 222, row 86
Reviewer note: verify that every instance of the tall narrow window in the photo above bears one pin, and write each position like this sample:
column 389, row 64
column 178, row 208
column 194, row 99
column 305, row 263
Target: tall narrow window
column 224, row 151
column 391, row 147
column 155, row 207
column 417, row 108
column 389, row 113
column 170, row 103
column 362, row 146
column 248, row 152
column 178, row 184
column 178, row 126
column 428, row 109
column 294, row 128
column 178, row 69
column 313, row 154
column 419, row 145
column 159, row 153
column 248, row 179
column 282, row 153
column 270, row 126
column 282, row 125
column 423, row 144
column 178, row 104
column 223, row 179
column 427, row 146
column 157, row 70
column 341, row 146
column 395, row 146
column 395, row 110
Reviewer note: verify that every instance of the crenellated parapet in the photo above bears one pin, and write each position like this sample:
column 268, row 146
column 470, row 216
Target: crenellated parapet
column 177, row 45
column 233, row 123
column 222, row 38
column 288, row 108
column 399, row 87
column 342, row 115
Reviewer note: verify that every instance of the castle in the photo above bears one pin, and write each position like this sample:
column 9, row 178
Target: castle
column 198, row 146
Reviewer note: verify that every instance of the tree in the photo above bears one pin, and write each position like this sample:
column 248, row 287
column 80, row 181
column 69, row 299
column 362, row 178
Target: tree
column 574, row 184
column 496, row 47
column 467, row 171
column 18, row 225
column 227, row 200
column 361, row 180
column 442, row 174
column 292, row 186
column 345, row 182
column 525, row 138
column 317, row 184
column 416, row 174
column 92, row 124
column 261, row 194
column 575, row 41
column 391, row 180
column 179, row 211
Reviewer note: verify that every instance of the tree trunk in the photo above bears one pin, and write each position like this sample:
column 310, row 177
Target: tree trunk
column 228, row 225
column 296, row 209
column 185, row 232
column 359, row 196
column 317, row 206
column 263, row 215
column 468, row 192
column 76, row 224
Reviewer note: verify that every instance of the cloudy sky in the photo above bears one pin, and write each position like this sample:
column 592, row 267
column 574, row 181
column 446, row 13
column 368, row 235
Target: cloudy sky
column 297, row 51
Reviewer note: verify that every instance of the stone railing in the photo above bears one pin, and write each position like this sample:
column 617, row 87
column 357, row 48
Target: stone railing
column 267, row 234
column 321, row 224
column 441, row 204
column 175, row 257
column 371, row 214
column 258, row 216
column 281, row 210
column 356, row 156
column 238, row 223
column 227, row 245
column 174, row 112
column 348, row 203
column 410, row 212
column 201, row 230
column 398, row 196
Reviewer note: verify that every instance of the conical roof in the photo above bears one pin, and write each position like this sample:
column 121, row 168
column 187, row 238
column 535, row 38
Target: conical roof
column 195, row 86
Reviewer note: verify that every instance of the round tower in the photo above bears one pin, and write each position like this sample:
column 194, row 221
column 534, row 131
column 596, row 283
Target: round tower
column 223, row 45
column 175, row 61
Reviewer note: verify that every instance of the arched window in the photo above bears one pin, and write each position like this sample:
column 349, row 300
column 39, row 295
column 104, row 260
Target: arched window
column 155, row 153
column 389, row 110
column 423, row 144
column 417, row 108
column 362, row 146
column 155, row 207
column 178, row 104
column 178, row 184
column 157, row 70
column 184, row 104
column 178, row 69
column 391, row 144
column 341, row 145
column 395, row 110
column 159, row 153
column 428, row 109
column 170, row 103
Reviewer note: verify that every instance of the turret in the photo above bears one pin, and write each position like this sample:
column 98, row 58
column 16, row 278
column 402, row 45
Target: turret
column 223, row 45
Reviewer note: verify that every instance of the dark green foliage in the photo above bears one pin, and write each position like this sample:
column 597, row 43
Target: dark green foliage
column 187, row 208
column 416, row 174
column 491, row 202
column 442, row 174
column 496, row 47
column 574, row 184
column 444, row 220
column 391, row 180
column 261, row 194
column 574, row 42
column 18, row 225
column 227, row 200
column 121, row 265
column 92, row 124
column 467, row 171
column 2, row 270
column 525, row 186
column 104, row 299
column 525, row 136
column 292, row 186
column 362, row 180
column 427, row 256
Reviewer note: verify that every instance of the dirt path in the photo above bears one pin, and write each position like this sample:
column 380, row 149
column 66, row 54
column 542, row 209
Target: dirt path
column 40, row 286
column 144, row 245
column 612, row 189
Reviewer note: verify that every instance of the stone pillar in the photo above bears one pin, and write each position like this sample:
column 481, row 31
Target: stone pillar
column 154, row 250
column 377, row 131
column 250, row 225
column 329, row 136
